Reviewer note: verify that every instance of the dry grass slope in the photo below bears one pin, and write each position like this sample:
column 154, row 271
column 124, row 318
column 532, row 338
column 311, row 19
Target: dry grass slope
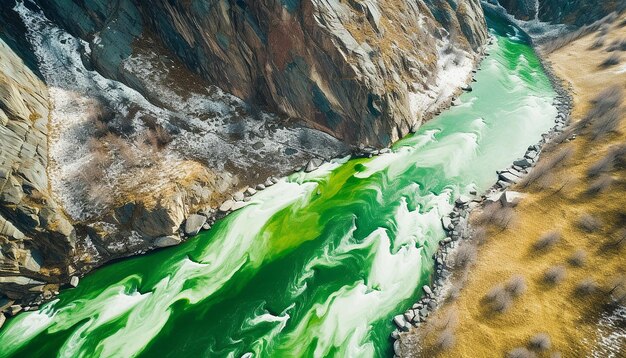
column 565, row 252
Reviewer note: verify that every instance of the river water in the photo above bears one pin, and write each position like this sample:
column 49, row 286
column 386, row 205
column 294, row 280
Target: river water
column 316, row 265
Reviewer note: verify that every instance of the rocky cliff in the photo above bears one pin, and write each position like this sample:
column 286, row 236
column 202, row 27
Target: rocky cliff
column 569, row 12
column 123, row 126
column 35, row 235
column 350, row 68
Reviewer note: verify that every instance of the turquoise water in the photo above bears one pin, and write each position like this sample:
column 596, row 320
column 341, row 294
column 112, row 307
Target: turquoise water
column 316, row 265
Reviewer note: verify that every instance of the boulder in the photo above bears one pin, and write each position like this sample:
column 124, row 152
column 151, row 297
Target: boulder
column 238, row 196
column 2, row 319
column 523, row 163
column 508, row 177
column 194, row 223
column 312, row 165
column 227, row 206
column 74, row 281
column 510, row 198
column 446, row 222
column 14, row 309
column 427, row 290
column 167, row 241
column 400, row 322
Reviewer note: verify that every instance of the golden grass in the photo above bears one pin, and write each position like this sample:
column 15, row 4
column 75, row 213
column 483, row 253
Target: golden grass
column 568, row 319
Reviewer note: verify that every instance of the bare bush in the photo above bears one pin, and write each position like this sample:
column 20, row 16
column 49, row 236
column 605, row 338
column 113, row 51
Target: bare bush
column 617, row 290
column 479, row 235
column 617, row 45
column 600, row 184
column 521, row 353
column 578, row 259
column 589, row 223
column 158, row 137
column 516, row 286
column 464, row 256
column 597, row 43
column 446, row 340
column 544, row 167
column 496, row 214
column 616, row 156
column 618, row 242
column 547, row 240
column 586, row 287
column 498, row 299
column 554, row 275
column 540, row 342
column 604, row 102
column 611, row 61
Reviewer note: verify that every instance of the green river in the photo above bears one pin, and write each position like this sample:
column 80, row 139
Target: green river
column 318, row 264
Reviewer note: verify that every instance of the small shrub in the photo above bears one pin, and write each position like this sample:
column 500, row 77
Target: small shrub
column 464, row 256
column 479, row 235
column 589, row 223
column 516, row 286
column 615, row 157
column 545, row 167
column 578, row 259
column 540, row 342
column 611, row 61
column 586, row 287
column 598, row 43
column 547, row 240
column 600, row 185
column 496, row 214
column 446, row 340
column 498, row 299
column 617, row 45
column 618, row 242
column 521, row 353
column 554, row 275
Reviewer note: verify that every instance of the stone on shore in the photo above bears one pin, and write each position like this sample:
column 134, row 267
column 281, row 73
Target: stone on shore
column 227, row 206
column 238, row 196
column 427, row 290
column 14, row 309
column 312, row 165
column 508, row 177
column 446, row 222
column 167, row 241
column 74, row 281
column 194, row 223
column 2, row 319
column 510, row 198
column 400, row 322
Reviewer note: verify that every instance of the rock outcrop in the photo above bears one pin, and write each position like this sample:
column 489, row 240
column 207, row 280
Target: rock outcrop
column 568, row 12
column 352, row 69
column 36, row 238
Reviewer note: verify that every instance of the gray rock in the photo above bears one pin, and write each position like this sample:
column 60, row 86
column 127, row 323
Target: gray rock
column 238, row 205
column 400, row 322
column 194, row 223
column 427, row 290
column 510, row 198
column 238, row 196
column 13, row 310
column 531, row 154
column 312, row 165
column 409, row 315
column 250, row 191
column 2, row 319
column 446, row 222
column 74, row 281
column 167, row 241
column 260, row 187
column 508, row 177
column 206, row 226
column 523, row 163
column 227, row 206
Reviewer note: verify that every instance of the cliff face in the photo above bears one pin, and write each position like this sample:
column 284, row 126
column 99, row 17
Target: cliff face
column 569, row 12
column 118, row 119
column 348, row 68
column 35, row 235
